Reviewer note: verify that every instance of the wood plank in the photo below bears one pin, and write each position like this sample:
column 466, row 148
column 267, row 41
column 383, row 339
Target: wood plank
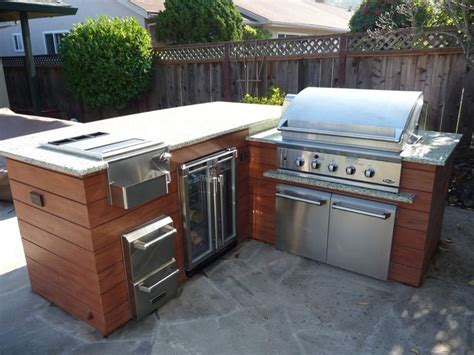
column 410, row 219
column 405, row 274
column 422, row 201
column 417, row 180
column 59, row 206
column 263, row 155
column 407, row 256
column 49, row 180
column 409, row 238
column 117, row 318
column 83, row 258
column 59, row 280
column 418, row 166
column 68, row 303
column 59, row 227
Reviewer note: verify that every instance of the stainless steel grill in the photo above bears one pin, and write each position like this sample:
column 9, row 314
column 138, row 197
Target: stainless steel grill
column 349, row 135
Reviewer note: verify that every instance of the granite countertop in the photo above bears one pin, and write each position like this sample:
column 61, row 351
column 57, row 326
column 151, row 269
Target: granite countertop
column 177, row 127
column 313, row 181
column 435, row 148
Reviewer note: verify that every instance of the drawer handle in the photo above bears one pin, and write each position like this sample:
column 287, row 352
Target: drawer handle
column 138, row 244
column 299, row 199
column 150, row 289
column 36, row 198
column 382, row 215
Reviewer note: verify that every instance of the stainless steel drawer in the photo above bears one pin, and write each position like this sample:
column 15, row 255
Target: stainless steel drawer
column 302, row 218
column 155, row 290
column 149, row 247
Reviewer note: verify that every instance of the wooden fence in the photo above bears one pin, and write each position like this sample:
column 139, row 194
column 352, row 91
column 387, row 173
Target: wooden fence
column 431, row 62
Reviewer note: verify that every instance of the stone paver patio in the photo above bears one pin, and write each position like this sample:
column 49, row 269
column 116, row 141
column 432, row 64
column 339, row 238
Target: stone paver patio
column 258, row 300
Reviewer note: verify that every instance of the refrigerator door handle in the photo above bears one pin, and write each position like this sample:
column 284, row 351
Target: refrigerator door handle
column 214, row 212
column 221, row 181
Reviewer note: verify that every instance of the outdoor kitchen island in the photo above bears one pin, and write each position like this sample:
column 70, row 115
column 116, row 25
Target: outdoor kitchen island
column 72, row 236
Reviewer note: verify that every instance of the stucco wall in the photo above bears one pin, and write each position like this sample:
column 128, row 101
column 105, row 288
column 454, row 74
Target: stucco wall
column 86, row 8
column 3, row 88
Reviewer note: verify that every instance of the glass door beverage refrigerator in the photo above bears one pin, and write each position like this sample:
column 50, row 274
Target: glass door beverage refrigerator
column 208, row 206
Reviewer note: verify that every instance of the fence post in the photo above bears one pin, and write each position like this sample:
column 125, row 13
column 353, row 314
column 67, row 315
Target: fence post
column 226, row 71
column 341, row 69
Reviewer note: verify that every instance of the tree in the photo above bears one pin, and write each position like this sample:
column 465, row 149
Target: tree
column 107, row 61
column 197, row 21
column 370, row 12
column 252, row 33
column 456, row 13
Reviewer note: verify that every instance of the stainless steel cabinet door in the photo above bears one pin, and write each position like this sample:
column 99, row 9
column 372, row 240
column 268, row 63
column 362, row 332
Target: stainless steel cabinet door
column 302, row 218
column 360, row 235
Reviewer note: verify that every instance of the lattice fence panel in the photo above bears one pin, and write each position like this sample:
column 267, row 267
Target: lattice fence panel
column 191, row 53
column 287, row 47
column 51, row 59
column 402, row 41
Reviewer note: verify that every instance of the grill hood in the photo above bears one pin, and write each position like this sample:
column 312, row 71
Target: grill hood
column 377, row 119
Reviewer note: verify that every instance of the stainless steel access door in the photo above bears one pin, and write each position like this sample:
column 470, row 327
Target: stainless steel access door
column 360, row 235
column 302, row 218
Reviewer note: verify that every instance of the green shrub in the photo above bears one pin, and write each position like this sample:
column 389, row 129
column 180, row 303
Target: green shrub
column 366, row 16
column 198, row 21
column 250, row 33
column 107, row 61
column 274, row 97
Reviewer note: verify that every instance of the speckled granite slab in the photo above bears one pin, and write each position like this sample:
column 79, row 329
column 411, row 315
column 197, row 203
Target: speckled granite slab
column 397, row 197
column 178, row 127
column 435, row 148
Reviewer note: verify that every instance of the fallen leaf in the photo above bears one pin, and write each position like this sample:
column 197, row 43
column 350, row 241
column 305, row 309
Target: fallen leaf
column 442, row 248
column 471, row 282
column 414, row 351
column 363, row 303
column 448, row 240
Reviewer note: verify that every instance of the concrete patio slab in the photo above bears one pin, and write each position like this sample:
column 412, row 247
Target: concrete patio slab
column 258, row 300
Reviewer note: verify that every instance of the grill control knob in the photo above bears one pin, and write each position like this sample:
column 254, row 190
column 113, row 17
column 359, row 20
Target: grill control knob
column 350, row 170
column 299, row 162
column 332, row 167
column 315, row 164
column 369, row 172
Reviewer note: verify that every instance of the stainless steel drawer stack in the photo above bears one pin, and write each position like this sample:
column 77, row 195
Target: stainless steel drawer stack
column 152, row 273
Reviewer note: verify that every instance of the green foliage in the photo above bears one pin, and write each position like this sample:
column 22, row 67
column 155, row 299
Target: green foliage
column 198, row 21
column 428, row 13
column 107, row 61
column 274, row 97
column 250, row 33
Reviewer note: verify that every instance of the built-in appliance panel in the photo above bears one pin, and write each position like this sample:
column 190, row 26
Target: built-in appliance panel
column 155, row 290
column 301, row 221
column 149, row 247
column 360, row 235
column 385, row 173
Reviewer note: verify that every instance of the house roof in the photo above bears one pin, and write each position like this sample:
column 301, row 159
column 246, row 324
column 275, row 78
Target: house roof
column 285, row 13
column 9, row 9
column 295, row 13
column 150, row 6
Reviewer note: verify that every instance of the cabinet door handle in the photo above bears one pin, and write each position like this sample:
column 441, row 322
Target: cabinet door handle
column 299, row 199
column 138, row 244
column 382, row 215
column 149, row 289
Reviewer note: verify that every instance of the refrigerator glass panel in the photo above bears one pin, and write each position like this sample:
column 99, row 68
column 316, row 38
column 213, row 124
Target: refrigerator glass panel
column 200, row 244
column 227, row 209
